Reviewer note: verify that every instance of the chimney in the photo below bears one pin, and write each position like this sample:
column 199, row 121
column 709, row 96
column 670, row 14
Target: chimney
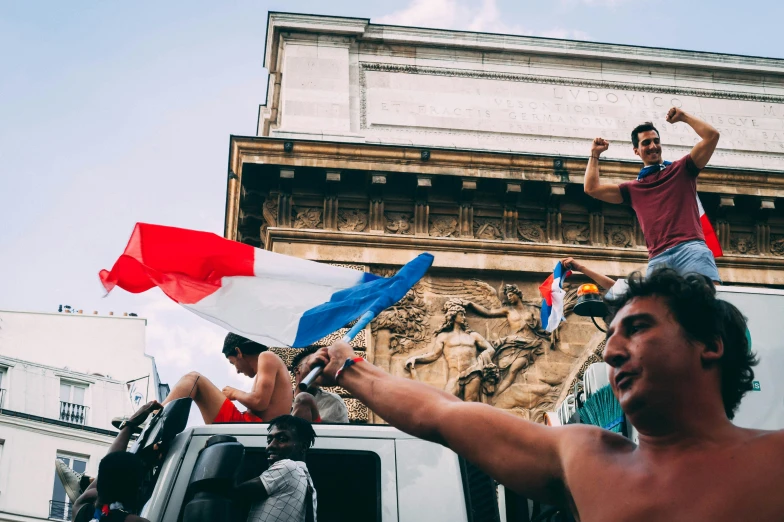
column 111, row 313
column 95, row 312
column 125, row 314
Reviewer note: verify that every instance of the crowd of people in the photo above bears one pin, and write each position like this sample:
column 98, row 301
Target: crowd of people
column 680, row 361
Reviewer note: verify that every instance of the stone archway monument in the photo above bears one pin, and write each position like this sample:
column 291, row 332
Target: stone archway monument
column 377, row 143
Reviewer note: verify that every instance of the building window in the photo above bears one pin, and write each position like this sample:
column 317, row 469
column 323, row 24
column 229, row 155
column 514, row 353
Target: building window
column 60, row 505
column 72, row 408
column 3, row 385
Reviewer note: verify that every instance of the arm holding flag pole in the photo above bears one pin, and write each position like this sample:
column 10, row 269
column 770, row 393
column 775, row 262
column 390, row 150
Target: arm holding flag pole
column 363, row 321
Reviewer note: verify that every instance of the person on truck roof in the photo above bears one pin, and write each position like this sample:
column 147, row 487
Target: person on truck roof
column 315, row 404
column 664, row 196
column 679, row 365
column 270, row 395
column 284, row 492
column 114, row 494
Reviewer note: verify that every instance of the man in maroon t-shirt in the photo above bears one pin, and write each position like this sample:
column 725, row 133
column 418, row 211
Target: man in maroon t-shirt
column 664, row 196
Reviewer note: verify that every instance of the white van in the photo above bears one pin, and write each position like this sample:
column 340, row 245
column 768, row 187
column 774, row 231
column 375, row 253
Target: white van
column 361, row 472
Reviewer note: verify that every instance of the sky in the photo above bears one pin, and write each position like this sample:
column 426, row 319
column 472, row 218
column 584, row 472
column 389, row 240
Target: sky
column 112, row 113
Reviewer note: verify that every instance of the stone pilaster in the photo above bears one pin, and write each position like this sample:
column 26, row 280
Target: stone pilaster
column 762, row 228
column 554, row 222
column 331, row 200
column 284, row 197
column 509, row 225
column 422, row 206
column 376, row 211
column 465, row 215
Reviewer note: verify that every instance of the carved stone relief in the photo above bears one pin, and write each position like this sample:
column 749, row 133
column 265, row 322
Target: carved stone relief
column 487, row 228
column 576, row 234
column 352, row 220
column 743, row 244
column 398, row 223
column 777, row 245
column 530, row 231
column 308, row 218
column 443, row 226
column 619, row 236
column 480, row 343
column 270, row 211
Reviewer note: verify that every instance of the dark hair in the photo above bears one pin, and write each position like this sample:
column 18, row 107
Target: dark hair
column 308, row 350
column 643, row 127
column 120, row 476
column 693, row 303
column 248, row 347
column 302, row 428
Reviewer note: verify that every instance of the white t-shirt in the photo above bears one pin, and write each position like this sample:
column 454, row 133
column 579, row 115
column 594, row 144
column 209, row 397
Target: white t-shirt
column 618, row 289
column 331, row 407
column 286, row 482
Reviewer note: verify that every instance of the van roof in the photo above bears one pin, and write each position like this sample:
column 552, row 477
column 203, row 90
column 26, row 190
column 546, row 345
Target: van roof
column 359, row 431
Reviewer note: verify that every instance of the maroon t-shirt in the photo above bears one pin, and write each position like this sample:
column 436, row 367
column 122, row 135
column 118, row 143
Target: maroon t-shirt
column 666, row 205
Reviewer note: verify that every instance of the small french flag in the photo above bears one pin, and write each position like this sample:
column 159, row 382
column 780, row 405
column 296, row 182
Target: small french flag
column 270, row 298
column 710, row 235
column 553, row 298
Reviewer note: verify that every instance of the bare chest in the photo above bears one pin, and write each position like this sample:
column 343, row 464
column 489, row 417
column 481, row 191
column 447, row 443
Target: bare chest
column 721, row 487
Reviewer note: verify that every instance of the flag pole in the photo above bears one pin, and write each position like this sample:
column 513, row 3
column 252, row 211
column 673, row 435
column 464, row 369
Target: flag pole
column 361, row 323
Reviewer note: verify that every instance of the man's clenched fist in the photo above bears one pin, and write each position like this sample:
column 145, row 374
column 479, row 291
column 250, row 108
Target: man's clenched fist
column 333, row 358
column 675, row 115
column 599, row 145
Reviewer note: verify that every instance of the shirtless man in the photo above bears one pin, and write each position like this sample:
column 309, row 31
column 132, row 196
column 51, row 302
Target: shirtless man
column 270, row 396
column 680, row 365
column 664, row 196
column 459, row 346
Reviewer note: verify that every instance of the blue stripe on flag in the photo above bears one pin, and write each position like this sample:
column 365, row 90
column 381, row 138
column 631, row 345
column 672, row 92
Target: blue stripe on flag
column 347, row 305
column 545, row 314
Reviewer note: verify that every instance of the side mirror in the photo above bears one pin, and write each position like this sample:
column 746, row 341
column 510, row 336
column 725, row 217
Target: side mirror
column 209, row 494
column 163, row 427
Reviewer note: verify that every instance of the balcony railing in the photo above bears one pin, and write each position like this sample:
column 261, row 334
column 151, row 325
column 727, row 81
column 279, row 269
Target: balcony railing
column 73, row 413
column 60, row 510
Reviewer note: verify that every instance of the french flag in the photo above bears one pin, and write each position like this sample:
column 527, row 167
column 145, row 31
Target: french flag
column 271, row 298
column 707, row 229
column 553, row 298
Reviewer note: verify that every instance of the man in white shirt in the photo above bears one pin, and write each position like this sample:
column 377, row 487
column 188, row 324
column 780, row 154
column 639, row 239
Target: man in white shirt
column 285, row 492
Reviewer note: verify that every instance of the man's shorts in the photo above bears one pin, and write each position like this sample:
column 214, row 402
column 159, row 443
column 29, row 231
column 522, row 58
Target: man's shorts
column 687, row 258
column 230, row 414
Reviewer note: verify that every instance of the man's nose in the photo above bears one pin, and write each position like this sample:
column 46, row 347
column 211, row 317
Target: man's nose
column 615, row 351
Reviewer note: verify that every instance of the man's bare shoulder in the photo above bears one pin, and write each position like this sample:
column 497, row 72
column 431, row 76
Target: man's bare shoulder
column 272, row 359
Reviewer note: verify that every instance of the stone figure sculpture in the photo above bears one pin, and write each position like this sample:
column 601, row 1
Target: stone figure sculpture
column 471, row 372
column 526, row 340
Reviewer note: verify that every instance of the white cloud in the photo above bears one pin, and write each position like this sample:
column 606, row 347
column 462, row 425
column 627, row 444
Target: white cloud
column 466, row 15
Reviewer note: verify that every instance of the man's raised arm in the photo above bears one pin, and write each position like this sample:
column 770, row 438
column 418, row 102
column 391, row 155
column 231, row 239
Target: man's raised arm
column 522, row 455
column 592, row 186
column 702, row 151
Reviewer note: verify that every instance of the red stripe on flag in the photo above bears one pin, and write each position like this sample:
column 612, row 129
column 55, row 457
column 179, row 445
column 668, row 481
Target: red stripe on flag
column 710, row 236
column 546, row 290
column 187, row 265
column 707, row 230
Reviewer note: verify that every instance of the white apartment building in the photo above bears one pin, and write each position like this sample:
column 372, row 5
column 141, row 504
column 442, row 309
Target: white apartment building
column 63, row 377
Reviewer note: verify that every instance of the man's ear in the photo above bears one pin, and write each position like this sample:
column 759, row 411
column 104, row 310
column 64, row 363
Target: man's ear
column 238, row 352
column 637, row 151
column 712, row 352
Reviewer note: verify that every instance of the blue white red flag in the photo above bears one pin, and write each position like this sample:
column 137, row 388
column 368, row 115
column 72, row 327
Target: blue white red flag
column 553, row 298
column 270, row 298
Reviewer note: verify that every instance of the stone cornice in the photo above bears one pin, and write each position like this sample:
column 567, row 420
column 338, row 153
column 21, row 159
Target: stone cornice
column 475, row 254
column 362, row 28
column 454, row 162
column 572, row 82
